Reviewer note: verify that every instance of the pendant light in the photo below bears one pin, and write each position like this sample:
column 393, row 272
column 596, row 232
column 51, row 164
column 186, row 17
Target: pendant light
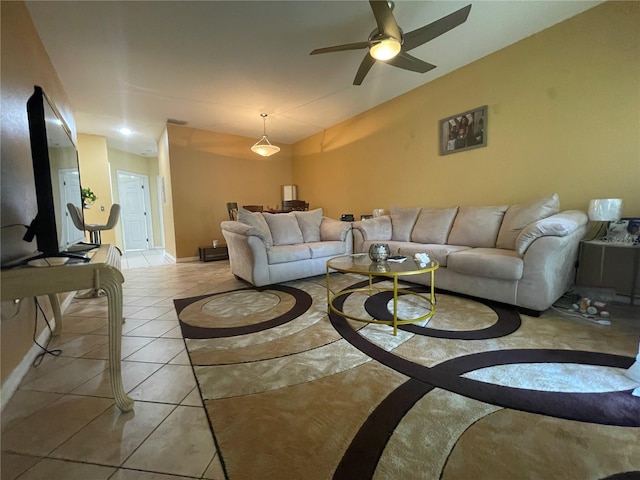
column 263, row 146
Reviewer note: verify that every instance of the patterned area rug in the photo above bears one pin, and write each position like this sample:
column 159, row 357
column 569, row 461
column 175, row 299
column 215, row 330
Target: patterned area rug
column 478, row 391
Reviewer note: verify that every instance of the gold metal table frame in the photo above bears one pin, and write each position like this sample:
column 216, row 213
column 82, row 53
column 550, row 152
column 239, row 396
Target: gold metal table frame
column 362, row 265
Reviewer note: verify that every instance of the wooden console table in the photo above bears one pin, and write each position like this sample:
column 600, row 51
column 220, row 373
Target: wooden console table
column 102, row 272
column 208, row 254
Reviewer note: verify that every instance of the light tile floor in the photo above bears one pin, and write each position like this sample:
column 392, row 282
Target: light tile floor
column 146, row 258
column 62, row 422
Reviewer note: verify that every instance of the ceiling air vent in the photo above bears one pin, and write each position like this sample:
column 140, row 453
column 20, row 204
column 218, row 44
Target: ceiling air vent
column 174, row 121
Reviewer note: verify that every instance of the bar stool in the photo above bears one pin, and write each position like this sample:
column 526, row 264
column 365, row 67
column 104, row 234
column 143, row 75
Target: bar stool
column 95, row 229
column 76, row 216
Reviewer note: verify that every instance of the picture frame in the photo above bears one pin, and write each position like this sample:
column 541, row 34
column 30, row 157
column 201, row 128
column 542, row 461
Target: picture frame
column 625, row 230
column 463, row 131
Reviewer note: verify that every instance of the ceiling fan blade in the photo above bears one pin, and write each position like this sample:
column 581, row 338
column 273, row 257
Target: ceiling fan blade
column 365, row 66
column 384, row 18
column 409, row 62
column 429, row 32
column 341, row 48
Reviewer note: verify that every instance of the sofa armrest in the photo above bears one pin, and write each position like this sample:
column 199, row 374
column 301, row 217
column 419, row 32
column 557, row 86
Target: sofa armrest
column 247, row 252
column 240, row 228
column 559, row 225
column 334, row 230
column 378, row 228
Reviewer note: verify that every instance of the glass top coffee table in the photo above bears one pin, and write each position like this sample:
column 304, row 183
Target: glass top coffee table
column 362, row 264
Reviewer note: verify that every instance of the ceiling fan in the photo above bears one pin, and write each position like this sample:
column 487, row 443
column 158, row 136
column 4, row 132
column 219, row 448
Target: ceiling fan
column 387, row 43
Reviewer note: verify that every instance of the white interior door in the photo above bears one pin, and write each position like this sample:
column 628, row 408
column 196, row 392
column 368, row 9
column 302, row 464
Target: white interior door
column 135, row 214
column 69, row 182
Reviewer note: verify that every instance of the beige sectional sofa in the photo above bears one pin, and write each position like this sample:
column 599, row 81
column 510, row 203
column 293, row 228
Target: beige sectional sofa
column 267, row 248
column 522, row 255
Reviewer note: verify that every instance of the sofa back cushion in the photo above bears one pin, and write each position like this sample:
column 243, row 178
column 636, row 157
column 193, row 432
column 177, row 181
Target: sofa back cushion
column 433, row 225
column 402, row 222
column 477, row 226
column 257, row 221
column 284, row 228
column 519, row 216
column 309, row 223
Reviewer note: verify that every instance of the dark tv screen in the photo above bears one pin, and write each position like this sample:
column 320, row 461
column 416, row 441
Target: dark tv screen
column 57, row 178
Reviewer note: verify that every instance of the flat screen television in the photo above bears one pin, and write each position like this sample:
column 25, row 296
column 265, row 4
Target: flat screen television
column 57, row 181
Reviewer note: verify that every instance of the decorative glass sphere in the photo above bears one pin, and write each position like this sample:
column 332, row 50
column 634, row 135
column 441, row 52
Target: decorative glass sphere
column 379, row 252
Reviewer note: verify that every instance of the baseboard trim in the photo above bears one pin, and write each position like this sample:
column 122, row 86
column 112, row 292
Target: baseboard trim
column 14, row 380
column 187, row 259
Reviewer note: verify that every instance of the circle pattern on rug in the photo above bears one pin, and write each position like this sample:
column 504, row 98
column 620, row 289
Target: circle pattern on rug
column 198, row 321
column 240, row 304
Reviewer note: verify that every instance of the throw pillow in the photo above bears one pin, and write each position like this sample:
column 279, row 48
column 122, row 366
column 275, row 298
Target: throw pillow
column 519, row 216
column 256, row 220
column 402, row 221
column 477, row 226
column 284, row 228
column 309, row 223
column 433, row 225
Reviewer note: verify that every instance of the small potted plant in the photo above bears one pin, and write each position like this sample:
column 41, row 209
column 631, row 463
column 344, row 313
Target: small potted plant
column 88, row 197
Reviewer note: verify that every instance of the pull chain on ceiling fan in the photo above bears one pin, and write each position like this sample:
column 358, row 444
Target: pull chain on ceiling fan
column 387, row 43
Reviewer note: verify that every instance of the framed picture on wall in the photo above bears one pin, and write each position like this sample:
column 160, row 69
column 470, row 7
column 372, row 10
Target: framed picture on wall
column 464, row 131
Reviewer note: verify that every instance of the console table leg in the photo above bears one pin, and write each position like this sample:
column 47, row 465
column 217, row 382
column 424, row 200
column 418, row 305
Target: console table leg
column 57, row 313
column 114, row 300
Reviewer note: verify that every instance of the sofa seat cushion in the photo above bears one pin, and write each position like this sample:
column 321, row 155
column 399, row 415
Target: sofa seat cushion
column 327, row 249
column 477, row 226
column 284, row 228
column 487, row 262
column 288, row 253
column 439, row 253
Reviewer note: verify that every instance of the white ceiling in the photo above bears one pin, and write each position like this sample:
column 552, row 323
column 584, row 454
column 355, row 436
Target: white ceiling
column 218, row 64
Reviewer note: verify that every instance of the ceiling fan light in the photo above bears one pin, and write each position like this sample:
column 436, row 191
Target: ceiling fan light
column 385, row 49
column 263, row 147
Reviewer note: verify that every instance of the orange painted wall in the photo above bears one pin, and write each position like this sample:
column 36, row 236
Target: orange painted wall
column 209, row 169
column 564, row 116
column 25, row 63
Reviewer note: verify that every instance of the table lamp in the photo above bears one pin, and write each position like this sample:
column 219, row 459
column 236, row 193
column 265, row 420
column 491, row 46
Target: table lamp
column 605, row 210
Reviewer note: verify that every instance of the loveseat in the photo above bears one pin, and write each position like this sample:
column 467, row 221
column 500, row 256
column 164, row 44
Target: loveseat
column 522, row 255
column 267, row 248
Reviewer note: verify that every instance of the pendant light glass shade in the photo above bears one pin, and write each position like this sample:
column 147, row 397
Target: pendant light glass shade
column 263, row 146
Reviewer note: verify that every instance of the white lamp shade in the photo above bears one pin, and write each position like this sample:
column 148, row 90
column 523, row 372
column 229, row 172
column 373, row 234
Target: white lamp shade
column 289, row 192
column 605, row 209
